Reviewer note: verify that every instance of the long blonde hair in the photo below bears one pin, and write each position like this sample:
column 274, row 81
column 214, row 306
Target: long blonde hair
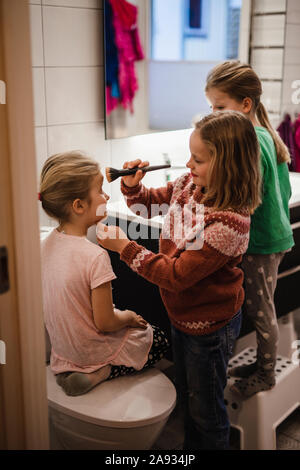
column 64, row 178
column 239, row 81
column 234, row 179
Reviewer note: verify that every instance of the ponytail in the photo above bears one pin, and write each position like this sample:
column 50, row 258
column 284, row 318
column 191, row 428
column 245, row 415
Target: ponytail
column 240, row 81
column 283, row 155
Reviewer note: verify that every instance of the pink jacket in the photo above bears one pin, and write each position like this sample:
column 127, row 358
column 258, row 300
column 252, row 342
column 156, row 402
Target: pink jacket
column 129, row 49
column 297, row 144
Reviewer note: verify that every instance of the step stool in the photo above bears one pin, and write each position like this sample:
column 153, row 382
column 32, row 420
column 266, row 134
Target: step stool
column 257, row 417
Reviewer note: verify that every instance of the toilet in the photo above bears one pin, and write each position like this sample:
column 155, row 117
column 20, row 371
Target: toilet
column 125, row 413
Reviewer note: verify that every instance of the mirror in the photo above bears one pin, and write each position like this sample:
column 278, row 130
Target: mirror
column 155, row 72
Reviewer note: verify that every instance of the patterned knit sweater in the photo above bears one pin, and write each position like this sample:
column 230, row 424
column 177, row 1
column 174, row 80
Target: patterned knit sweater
column 199, row 250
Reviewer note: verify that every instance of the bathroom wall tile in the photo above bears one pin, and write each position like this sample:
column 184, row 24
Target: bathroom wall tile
column 75, row 3
column 72, row 36
column 74, row 95
column 38, row 77
column 269, row 6
column 86, row 137
column 41, row 151
column 272, row 96
column 268, row 30
column 36, row 31
column 268, row 63
column 35, row 2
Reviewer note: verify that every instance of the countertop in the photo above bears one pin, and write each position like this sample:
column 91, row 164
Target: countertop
column 120, row 210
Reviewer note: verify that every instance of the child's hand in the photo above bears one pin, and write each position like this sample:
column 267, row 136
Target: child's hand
column 133, row 180
column 136, row 321
column 111, row 237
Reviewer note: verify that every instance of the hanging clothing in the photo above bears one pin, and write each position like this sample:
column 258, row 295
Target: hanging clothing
column 297, row 144
column 111, row 61
column 285, row 131
column 129, row 49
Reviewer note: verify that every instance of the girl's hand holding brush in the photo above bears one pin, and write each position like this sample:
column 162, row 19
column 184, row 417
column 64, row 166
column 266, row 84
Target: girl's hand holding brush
column 133, row 180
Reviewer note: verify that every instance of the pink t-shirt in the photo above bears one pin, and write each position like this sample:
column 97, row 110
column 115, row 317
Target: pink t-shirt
column 71, row 267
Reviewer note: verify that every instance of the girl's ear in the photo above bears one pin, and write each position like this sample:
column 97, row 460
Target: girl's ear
column 78, row 206
column 247, row 105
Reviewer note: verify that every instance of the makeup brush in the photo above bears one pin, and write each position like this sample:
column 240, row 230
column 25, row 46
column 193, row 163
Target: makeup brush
column 112, row 174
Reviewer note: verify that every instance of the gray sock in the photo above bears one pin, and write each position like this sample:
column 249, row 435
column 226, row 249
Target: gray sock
column 78, row 383
column 257, row 382
column 243, row 371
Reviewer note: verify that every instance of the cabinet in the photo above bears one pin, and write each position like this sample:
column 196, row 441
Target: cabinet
column 134, row 292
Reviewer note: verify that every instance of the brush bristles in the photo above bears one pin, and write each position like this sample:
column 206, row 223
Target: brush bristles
column 111, row 174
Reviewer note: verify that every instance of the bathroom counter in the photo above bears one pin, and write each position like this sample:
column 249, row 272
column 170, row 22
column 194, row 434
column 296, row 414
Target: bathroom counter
column 120, row 210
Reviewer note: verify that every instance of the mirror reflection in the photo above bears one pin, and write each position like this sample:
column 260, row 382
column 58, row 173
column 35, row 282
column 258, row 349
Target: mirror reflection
column 157, row 56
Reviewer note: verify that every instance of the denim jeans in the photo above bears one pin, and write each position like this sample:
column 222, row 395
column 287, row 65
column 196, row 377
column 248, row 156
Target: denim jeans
column 201, row 377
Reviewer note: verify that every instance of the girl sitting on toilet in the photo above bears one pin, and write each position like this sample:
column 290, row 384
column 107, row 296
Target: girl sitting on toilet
column 91, row 341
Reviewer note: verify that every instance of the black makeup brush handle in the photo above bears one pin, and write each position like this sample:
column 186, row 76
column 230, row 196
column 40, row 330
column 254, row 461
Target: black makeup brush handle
column 145, row 169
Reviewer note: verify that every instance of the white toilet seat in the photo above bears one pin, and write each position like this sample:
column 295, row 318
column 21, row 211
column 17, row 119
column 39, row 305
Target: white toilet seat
column 125, row 402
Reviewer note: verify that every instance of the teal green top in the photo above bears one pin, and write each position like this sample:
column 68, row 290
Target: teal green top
column 270, row 230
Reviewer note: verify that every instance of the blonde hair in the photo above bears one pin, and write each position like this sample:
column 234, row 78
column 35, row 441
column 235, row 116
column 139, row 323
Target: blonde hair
column 234, row 179
column 64, row 178
column 239, row 81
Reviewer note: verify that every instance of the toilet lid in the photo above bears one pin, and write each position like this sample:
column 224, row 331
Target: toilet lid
column 124, row 402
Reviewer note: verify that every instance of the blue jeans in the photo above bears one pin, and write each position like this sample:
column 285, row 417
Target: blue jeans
column 201, row 377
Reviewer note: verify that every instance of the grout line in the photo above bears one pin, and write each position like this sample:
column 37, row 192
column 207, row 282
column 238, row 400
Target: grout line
column 70, row 6
column 45, row 84
column 72, row 123
column 73, row 66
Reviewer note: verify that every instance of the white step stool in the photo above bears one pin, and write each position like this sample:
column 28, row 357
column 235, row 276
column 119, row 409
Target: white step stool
column 257, row 417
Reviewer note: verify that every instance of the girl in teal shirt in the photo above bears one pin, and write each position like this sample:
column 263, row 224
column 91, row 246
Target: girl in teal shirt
column 232, row 85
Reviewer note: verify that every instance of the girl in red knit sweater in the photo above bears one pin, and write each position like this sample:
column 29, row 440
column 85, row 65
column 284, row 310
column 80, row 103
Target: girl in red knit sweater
column 206, row 231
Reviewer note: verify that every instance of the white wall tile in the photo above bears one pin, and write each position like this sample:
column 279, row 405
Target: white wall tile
column 271, row 97
column 75, row 3
column 269, row 6
column 275, row 119
column 86, row 137
column 268, row 63
column 74, row 95
column 72, row 36
column 36, row 35
column 268, row 30
column 40, row 149
column 38, row 78
column 35, row 2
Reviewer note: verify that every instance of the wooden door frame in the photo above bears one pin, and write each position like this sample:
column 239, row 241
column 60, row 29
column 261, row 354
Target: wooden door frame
column 23, row 392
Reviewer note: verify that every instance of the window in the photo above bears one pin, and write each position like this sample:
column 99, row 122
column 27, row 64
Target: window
column 196, row 18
